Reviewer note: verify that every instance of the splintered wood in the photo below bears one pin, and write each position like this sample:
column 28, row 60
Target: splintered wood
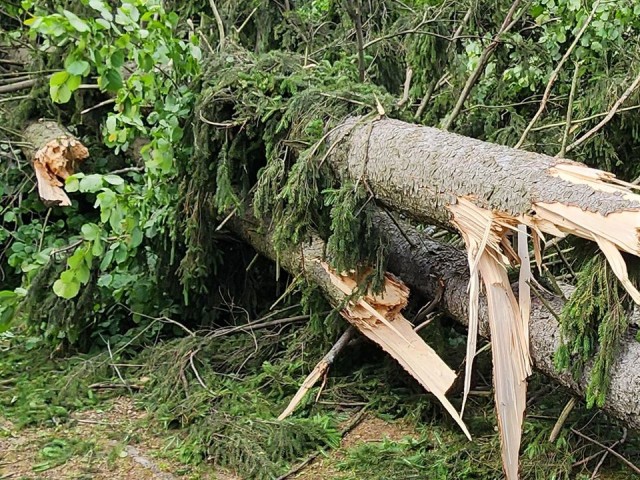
column 379, row 318
column 486, row 234
column 55, row 156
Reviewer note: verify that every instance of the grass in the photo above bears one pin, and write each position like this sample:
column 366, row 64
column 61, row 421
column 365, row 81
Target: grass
column 229, row 418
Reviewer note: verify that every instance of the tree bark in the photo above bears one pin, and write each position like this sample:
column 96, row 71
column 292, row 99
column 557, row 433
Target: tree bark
column 425, row 265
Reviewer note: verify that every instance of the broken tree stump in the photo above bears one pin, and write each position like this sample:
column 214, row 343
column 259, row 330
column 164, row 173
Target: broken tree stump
column 54, row 154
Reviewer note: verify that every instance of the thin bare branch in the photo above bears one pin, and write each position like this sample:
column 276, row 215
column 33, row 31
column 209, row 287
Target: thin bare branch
column 608, row 117
column 507, row 24
column 218, row 18
column 554, row 75
column 567, row 127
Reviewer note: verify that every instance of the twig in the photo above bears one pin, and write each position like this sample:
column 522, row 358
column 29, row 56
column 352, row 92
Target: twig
column 44, row 228
column 68, row 247
column 608, row 449
column 582, row 120
column 98, row 105
column 567, row 127
column 11, row 99
column 428, row 308
column 97, row 386
column 562, row 419
column 464, row 21
column 318, row 371
column 116, row 368
column 216, row 14
column 410, row 31
column 608, row 117
column 195, row 371
column 126, row 170
column 246, row 20
column 606, row 453
column 554, row 75
column 507, row 24
column 14, row 87
column 407, row 87
column 544, row 301
column 160, row 319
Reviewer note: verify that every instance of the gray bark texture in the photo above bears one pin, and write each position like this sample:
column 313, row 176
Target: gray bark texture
column 424, row 265
column 420, row 170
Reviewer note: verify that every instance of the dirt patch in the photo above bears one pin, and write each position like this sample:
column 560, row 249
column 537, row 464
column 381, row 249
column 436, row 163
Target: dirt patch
column 371, row 429
column 103, row 444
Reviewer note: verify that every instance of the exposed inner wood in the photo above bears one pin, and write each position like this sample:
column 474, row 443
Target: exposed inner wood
column 55, row 155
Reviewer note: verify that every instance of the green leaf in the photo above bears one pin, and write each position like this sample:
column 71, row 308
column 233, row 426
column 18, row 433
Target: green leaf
column 111, row 80
column 66, row 289
column 91, row 183
column 72, row 184
column 58, row 79
column 76, row 22
column 74, row 261
column 117, row 59
column 73, row 82
column 106, row 260
column 79, row 67
column 82, row 274
column 60, row 94
column 98, row 248
column 114, row 180
column 91, row 231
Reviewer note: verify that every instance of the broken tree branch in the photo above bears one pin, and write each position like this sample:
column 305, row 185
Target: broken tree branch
column 54, row 154
column 319, row 370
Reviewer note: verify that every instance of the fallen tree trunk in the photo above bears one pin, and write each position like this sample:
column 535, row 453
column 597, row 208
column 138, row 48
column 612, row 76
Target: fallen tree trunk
column 427, row 266
column 490, row 193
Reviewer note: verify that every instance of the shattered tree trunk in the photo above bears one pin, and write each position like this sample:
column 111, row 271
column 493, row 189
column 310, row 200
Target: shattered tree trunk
column 491, row 193
column 427, row 266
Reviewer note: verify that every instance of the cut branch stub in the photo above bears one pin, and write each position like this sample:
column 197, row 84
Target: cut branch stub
column 55, row 155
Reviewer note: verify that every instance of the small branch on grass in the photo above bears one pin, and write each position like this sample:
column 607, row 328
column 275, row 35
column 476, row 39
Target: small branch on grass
column 16, row 86
column 608, row 449
column 113, row 364
column 608, row 117
column 319, row 370
column 507, row 24
column 112, row 386
column 195, row 371
column 606, row 453
column 554, row 75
